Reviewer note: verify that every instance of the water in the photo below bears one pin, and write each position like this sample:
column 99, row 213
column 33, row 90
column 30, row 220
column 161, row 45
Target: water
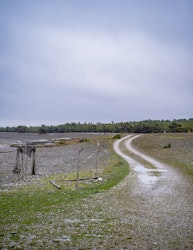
column 145, row 175
column 148, row 176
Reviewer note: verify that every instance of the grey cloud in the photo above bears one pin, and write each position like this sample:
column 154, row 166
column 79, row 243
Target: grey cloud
column 82, row 73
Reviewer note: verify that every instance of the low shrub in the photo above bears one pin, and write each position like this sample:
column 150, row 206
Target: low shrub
column 84, row 140
column 167, row 145
column 117, row 136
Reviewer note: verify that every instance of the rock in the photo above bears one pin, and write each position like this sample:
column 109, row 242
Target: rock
column 49, row 144
column 62, row 238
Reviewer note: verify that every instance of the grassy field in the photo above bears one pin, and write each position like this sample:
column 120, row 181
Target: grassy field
column 30, row 214
column 173, row 149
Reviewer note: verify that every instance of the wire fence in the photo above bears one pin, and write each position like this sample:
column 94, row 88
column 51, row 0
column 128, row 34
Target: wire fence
column 52, row 160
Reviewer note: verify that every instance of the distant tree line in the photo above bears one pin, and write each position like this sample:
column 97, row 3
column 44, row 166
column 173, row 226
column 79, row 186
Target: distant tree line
column 146, row 126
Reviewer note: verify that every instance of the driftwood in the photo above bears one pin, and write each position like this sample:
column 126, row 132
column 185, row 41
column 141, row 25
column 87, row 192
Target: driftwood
column 5, row 152
column 55, row 185
column 83, row 179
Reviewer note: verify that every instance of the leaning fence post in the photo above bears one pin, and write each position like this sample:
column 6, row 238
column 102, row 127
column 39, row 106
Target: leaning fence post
column 97, row 159
column 77, row 182
column 78, row 168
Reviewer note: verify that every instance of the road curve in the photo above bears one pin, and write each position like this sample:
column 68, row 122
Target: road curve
column 146, row 175
column 160, row 202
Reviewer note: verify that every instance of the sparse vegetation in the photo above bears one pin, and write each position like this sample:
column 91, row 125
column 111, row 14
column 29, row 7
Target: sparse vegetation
column 117, row 136
column 84, row 140
column 167, row 145
column 40, row 216
column 179, row 152
column 32, row 215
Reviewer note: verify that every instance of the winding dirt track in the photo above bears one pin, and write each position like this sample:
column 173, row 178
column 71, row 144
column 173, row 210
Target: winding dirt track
column 159, row 204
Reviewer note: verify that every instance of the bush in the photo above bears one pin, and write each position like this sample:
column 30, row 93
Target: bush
column 117, row 136
column 84, row 140
column 167, row 145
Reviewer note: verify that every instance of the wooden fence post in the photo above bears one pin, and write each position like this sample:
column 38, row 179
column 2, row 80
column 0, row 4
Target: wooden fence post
column 78, row 168
column 34, row 162
column 16, row 169
column 17, row 160
column 97, row 159
column 22, row 166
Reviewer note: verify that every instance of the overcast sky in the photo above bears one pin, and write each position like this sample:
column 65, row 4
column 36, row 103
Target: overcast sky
column 95, row 61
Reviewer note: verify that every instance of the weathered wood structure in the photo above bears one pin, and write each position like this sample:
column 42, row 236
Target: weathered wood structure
column 29, row 150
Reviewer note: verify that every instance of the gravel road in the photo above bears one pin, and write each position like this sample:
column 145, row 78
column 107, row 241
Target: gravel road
column 157, row 203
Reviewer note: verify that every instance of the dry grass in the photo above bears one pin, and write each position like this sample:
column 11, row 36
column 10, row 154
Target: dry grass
column 179, row 155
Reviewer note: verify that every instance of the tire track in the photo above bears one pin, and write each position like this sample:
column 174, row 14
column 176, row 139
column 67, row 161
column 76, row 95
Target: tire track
column 158, row 201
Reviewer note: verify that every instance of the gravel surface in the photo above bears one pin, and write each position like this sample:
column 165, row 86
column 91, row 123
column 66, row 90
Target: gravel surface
column 50, row 160
column 149, row 209
column 159, row 210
